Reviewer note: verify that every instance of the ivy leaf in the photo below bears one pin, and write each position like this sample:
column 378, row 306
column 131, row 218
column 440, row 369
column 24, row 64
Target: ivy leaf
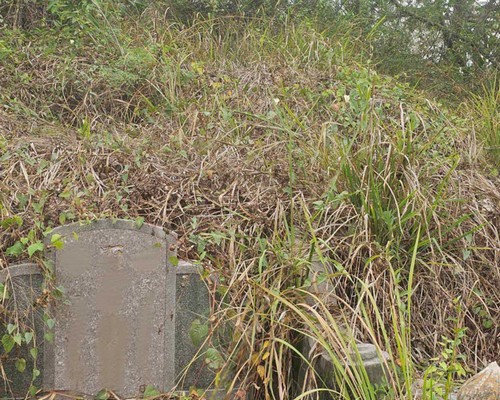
column 18, row 339
column 57, row 241
column 8, row 343
column 21, row 364
column 173, row 260
column 34, row 353
column 198, row 332
column 27, row 337
column 49, row 337
column 10, row 328
column 213, row 358
column 139, row 222
column 102, row 395
column 15, row 250
column 151, row 391
column 33, row 389
column 487, row 323
column 50, row 323
column 32, row 249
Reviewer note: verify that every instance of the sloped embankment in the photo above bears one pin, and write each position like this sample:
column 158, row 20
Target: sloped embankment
column 264, row 146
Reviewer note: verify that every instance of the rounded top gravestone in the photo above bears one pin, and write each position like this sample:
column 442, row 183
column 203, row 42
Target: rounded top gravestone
column 115, row 329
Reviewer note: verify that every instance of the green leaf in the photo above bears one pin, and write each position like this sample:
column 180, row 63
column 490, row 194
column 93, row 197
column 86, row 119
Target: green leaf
column 28, row 336
column 36, row 373
column 34, row 353
column 49, row 337
column 487, row 323
column 4, row 293
column 18, row 339
column 10, row 328
column 50, row 323
column 139, row 222
column 66, row 194
column 173, row 260
column 151, row 391
column 198, row 332
column 32, row 249
column 21, row 364
column 213, row 358
column 8, row 222
column 33, row 389
column 15, row 250
column 57, row 241
column 8, row 343
column 102, row 395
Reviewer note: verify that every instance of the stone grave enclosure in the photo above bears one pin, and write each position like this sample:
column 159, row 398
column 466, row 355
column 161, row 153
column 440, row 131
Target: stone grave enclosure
column 124, row 324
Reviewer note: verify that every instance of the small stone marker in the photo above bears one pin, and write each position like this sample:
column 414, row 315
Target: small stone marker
column 23, row 283
column 116, row 329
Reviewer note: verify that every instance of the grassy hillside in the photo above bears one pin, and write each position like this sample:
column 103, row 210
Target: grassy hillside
column 266, row 145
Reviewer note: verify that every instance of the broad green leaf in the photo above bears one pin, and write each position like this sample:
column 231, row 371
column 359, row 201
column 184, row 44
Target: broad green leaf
column 18, row 339
column 32, row 249
column 10, row 328
column 151, row 391
column 28, row 336
column 57, row 241
column 15, row 250
column 21, row 364
column 102, row 395
column 198, row 332
column 173, row 260
column 66, row 194
column 33, row 389
column 36, row 373
column 139, row 222
column 213, row 358
column 8, row 222
column 50, row 323
column 34, row 353
column 487, row 323
column 8, row 343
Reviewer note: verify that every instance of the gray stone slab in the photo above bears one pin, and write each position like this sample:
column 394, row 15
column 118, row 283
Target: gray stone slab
column 24, row 283
column 192, row 303
column 116, row 329
column 364, row 357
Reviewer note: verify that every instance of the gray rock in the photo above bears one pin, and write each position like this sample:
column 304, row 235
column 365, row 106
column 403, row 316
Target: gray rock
column 363, row 358
column 24, row 283
column 483, row 386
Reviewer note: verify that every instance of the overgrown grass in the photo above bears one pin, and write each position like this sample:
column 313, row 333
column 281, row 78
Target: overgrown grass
column 488, row 116
column 268, row 146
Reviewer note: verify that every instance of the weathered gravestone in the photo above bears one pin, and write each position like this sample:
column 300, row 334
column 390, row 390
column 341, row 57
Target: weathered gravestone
column 128, row 305
column 22, row 291
column 191, row 307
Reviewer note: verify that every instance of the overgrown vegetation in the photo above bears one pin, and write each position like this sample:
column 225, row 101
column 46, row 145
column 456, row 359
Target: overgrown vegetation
column 268, row 144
